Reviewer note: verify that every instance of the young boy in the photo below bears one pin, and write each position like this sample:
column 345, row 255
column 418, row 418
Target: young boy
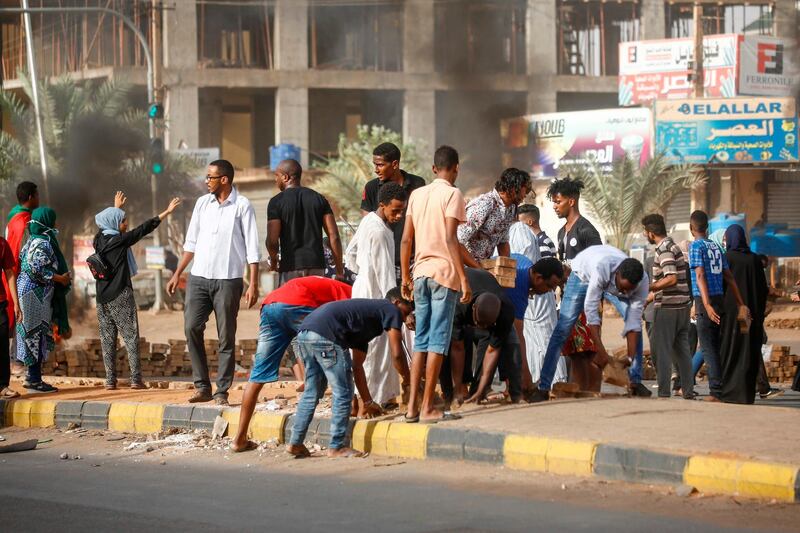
column 326, row 337
column 434, row 213
column 709, row 268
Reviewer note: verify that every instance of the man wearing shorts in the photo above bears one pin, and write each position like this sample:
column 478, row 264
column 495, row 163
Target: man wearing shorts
column 282, row 312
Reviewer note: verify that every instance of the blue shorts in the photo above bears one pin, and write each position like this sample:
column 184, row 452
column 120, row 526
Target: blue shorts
column 435, row 307
column 279, row 325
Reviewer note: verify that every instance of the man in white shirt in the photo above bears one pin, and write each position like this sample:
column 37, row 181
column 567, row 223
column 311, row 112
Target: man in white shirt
column 596, row 271
column 222, row 238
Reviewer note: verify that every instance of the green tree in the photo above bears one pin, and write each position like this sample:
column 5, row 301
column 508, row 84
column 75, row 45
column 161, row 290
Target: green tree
column 620, row 198
column 96, row 143
column 346, row 174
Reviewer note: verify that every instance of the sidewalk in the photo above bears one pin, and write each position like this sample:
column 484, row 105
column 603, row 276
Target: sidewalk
column 724, row 449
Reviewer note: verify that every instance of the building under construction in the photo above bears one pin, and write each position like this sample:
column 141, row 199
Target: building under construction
column 242, row 75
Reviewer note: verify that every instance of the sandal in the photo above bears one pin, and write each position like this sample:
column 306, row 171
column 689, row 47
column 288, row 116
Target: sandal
column 410, row 419
column 246, row 448
column 8, row 393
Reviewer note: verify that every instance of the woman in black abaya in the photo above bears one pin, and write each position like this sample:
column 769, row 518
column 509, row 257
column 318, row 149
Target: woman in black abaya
column 741, row 351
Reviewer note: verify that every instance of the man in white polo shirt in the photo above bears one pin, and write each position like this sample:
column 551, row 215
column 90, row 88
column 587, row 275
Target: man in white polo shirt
column 222, row 238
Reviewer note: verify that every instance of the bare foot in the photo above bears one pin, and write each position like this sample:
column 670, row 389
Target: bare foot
column 298, row 450
column 344, row 452
column 245, row 446
column 434, row 414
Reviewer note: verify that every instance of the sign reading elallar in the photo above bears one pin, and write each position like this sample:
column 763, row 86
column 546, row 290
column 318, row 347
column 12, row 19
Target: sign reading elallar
column 766, row 66
column 729, row 131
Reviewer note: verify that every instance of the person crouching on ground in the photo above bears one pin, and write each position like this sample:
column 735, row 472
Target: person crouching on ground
column 116, row 306
column 282, row 312
column 326, row 337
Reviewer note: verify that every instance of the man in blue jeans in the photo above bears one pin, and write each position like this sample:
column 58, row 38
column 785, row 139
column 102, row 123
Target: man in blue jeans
column 709, row 268
column 596, row 271
column 326, row 337
column 282, row 312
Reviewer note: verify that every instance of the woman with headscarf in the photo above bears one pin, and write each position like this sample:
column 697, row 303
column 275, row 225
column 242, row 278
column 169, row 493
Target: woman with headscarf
column 740, row 351
column 43, row 283
column 116, row 306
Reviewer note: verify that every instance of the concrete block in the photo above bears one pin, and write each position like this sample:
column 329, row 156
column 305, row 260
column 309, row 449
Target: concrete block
column 287, row 429
column 632, row 464
column 3, row 413
column 68, row 412
column 149, row 418
column 407, row 440
column 231, row 414
column 94, row 415
column 267, row 426
column 43, row 413
column 122, row 417
column 446, row 443
column 524, row 452
column 18, row 413
column 364, row 432
column 203, row 417
column 570, row 458
column 177, row 416
column 484, row 446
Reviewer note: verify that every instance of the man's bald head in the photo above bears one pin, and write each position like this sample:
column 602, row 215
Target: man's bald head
column 485, row 310
column 291, row 168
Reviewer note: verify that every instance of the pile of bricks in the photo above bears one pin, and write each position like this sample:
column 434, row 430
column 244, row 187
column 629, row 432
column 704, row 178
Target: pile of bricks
column 504, row 269
column 85, row 359
column 782, row 366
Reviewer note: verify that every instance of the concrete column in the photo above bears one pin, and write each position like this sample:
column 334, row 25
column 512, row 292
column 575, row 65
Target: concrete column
column 291, row 34
column 291, row 119
column 541, row 35
column 419, row 119
column 418, row 32
column 180, row 53
column 786, row 19
column 653, row 21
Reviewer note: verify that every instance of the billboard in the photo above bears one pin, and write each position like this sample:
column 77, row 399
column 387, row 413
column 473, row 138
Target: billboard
column 767, row 66
column 727, row 131
column 542, row 143
column 658, row 70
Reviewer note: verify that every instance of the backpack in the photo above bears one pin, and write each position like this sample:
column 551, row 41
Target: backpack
column 100, row 269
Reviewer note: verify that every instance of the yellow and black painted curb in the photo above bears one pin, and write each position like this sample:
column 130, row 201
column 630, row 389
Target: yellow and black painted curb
column 708, row 473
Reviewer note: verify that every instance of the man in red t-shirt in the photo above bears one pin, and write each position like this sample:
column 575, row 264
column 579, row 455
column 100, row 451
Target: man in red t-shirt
column 282, row 312
column 17, row 223
column 7, row 301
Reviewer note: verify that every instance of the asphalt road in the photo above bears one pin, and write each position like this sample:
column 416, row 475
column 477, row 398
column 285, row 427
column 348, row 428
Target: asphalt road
column 112, row 490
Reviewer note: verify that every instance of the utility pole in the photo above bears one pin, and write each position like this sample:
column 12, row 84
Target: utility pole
column 698, row 78
column 155, row 27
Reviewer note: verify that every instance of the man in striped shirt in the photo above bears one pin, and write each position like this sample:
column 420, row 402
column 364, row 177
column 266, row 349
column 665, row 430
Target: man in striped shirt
column 670, row 290
column 529, row 215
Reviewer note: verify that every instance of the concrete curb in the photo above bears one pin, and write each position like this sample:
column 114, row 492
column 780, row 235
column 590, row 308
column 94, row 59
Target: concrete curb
column 711, row 474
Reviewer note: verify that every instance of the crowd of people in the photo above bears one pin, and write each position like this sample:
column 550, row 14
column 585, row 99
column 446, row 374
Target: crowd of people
column 407, row 308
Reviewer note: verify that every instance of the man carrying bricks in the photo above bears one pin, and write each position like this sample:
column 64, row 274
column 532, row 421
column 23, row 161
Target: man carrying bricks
column 282, row 312
column 326, row 337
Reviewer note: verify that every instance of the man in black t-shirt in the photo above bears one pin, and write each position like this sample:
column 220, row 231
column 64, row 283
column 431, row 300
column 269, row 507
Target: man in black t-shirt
column 296, row 217
column 326, row 337
column 578, row 233
column 386, row 158
column 488, row 319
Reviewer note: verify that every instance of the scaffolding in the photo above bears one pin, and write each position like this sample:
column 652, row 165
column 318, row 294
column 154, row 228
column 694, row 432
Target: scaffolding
column 747, row 18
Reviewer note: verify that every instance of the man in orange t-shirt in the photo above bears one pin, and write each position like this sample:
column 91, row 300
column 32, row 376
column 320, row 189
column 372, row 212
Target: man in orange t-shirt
column 434, row 213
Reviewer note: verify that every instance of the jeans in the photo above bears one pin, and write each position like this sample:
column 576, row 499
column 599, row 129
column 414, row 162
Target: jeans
column 435, row 306
column 34, row 373
column 697, row 362
column 279, row 325
column 708, row 333
column 571, row 308
column 635, row 371
column 203, row 296
column 324, row 360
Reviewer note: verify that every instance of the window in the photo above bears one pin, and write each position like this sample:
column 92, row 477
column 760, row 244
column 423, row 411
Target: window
column 750, row 19
column 238, row 35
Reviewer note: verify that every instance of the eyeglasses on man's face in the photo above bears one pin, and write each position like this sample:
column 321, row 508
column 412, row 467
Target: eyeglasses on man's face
column 209, row 178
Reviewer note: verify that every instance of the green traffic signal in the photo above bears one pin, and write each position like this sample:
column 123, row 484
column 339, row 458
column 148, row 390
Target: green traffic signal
column 156, row 156
column 155, row 111
column 157, row 168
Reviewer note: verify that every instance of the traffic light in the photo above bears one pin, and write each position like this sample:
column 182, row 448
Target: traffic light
column 157, row 156
column 155, row 111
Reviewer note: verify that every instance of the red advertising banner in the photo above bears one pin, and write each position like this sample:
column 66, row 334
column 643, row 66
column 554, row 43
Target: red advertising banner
column 658, row 70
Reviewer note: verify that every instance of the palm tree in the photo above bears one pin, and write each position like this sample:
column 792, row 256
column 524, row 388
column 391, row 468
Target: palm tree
column 346, row 174
column 621, row 197
column 96, row 143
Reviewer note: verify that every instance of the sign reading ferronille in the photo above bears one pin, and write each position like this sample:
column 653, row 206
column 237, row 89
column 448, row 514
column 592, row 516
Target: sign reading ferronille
column 727, row 131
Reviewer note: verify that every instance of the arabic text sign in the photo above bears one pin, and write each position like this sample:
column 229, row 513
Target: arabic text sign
column 651, row 70
column 766, row 67
column 202, row 156
column 729, row 131
column 555, row 139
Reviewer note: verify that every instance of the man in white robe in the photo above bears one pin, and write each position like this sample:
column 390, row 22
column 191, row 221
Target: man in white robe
column 540, row 319
column 370, row 255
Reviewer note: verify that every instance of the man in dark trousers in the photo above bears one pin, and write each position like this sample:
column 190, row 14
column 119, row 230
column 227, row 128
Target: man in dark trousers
column 296, row 217
column 573, row 238
column 386, row 158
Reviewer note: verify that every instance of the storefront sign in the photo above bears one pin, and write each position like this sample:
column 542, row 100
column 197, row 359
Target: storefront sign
column 727, row 131
column 658, row 70
column 202, row 156
column 766, row 67
column 542, row 143
column 155, row 257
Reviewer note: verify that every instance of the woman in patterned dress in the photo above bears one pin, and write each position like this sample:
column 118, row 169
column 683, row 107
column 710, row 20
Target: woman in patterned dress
column 42, row 286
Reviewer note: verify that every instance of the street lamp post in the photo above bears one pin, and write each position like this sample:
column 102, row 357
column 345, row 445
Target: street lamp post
column 27, row 11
